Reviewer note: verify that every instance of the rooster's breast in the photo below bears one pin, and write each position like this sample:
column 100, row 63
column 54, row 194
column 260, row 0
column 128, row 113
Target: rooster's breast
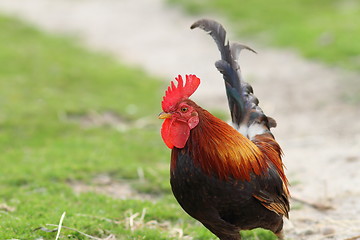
column 210, row 200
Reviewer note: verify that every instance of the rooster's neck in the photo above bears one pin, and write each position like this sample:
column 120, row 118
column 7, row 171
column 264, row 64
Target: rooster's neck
column 218, row 149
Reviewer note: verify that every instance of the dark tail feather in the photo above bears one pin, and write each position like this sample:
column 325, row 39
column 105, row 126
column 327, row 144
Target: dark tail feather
column 218, row 33
column 242, row 102
column 233, row 91
column 236, row 90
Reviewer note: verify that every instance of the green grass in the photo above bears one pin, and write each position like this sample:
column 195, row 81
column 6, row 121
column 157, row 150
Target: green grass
column 326, row 30
column 48, row 87
column 44, row 80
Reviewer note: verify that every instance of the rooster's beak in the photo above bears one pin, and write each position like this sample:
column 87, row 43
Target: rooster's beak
column 165, row 115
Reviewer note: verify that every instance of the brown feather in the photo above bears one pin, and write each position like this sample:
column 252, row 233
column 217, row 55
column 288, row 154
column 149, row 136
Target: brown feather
column 272, row 151
column 221, row 150
column 276, row 205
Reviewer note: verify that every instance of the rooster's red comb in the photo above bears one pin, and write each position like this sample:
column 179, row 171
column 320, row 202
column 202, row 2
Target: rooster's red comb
column 175, row 94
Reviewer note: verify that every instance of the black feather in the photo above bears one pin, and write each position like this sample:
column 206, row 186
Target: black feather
column 218, row 33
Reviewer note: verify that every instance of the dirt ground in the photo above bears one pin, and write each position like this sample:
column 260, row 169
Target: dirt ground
column 318, row 131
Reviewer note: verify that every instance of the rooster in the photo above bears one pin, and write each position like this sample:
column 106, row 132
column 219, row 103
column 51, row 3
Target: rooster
column 230, row 178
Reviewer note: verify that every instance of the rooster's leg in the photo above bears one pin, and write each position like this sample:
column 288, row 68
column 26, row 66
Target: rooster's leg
column 224, row 230
column 280, row 235
column 230, row 238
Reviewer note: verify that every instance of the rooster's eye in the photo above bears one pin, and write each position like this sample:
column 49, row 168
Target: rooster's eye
column 184, row 109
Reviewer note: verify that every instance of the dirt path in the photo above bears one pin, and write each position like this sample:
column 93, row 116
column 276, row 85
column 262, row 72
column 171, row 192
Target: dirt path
column 319, row 133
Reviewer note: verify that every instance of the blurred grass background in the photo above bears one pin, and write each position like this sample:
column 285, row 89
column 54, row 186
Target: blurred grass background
column 325, row 30
column 51, row 88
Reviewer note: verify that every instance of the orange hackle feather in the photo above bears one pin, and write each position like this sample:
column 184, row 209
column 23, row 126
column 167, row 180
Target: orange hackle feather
column 221, row 150
column 272, row 151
